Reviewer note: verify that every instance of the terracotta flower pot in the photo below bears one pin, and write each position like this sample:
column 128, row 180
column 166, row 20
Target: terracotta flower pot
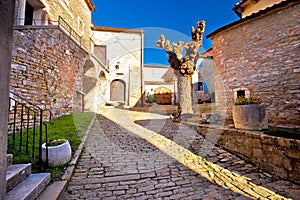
column 250, row 117
column 57, row 155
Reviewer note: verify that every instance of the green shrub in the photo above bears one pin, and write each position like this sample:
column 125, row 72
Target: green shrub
column 241, row 100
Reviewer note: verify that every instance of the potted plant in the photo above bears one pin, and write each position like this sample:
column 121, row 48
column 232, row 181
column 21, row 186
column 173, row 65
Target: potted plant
column 249, row 114
column 59, row 152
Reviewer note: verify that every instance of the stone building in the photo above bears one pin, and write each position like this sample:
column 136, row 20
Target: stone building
column 49, row 52
column 259, row 54
column 203, row 79
column 59, row 57
column 117, row 55
column 74, row 14
column 160, row 86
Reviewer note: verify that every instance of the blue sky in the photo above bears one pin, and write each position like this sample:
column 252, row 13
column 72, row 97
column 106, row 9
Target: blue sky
column 172, row 18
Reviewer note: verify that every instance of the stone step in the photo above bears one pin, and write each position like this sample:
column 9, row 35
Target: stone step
column 30, row 188
column 9, row 159
column 15, row 174
column 54, row 191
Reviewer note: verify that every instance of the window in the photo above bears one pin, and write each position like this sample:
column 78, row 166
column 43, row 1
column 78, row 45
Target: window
column 31, row 13
column 241, row 93
column 200, row 86
column 100, row 53
column 28, row 14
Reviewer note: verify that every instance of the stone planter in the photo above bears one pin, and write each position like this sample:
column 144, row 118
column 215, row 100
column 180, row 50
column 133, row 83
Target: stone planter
column 57, row 155
column 250, row 117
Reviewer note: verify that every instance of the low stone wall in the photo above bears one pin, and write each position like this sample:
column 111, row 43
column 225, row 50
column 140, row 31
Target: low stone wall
column 276, row 155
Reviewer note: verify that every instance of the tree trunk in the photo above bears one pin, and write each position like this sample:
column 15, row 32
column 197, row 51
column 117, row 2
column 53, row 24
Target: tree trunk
column 184, row 94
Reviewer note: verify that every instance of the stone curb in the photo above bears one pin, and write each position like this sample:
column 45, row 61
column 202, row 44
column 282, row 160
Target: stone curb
column 59, row 187
column 69, row 171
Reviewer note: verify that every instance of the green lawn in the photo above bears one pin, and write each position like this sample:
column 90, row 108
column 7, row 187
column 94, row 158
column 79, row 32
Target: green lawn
column 71, row 127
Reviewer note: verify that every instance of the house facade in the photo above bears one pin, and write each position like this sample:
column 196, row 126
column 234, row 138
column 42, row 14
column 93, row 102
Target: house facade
column 160, row 84
column 259, row 55
column 119, row 72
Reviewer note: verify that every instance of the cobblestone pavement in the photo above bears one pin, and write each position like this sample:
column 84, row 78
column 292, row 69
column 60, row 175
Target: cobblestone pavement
column 119, row 164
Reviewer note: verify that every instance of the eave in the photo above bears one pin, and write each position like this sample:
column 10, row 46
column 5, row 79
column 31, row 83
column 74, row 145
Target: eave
column 116, row 30
column 90, row 5
column 254, row 15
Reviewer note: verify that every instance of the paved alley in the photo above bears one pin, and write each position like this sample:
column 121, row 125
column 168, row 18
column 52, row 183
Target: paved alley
column 136, row 155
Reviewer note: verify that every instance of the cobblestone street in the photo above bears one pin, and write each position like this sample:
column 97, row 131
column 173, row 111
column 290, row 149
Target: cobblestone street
column 119, row 162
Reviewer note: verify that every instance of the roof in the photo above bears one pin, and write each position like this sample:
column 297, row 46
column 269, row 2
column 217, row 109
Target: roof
column 169, row 75
column 208, row 52
column 116, row 30
column 156, row 66
column 254, row 15
column 90, row 5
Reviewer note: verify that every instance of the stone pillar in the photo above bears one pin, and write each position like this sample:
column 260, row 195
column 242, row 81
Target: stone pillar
column 7, row 9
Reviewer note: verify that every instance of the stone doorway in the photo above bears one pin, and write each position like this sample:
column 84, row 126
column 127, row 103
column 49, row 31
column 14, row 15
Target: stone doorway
column 117, row 90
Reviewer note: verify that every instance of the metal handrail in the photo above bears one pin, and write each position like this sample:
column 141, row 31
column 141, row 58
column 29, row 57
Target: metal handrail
column 24, row 115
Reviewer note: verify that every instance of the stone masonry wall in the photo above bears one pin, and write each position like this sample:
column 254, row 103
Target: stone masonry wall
column 47, row 68
column 262, row 54
column 76, row 13
column 276, row 155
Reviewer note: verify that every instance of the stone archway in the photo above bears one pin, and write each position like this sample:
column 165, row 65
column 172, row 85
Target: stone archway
column 117, row 90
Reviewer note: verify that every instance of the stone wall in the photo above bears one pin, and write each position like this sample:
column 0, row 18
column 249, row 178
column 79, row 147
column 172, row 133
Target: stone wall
column 262, row 54
column 276, row 155
column 47, row 68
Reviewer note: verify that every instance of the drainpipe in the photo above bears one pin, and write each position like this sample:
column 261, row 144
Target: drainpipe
column 128, row 102
column 142, row 61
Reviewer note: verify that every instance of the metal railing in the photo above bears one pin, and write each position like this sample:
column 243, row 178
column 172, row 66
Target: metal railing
column 73, row 34
column 27, row 130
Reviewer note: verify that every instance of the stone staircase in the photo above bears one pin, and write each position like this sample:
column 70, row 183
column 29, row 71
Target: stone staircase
column 21, row 183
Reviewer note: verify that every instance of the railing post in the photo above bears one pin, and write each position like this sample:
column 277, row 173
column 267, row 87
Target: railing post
column 82, row 103
column 41, row 140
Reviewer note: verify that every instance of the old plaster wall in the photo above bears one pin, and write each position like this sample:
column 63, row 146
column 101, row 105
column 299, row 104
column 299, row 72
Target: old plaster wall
column 123, row 49
column 47, row 68
column 262, row 54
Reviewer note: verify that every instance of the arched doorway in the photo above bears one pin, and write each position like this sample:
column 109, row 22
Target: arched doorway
column 117, row 90
column 163, row 95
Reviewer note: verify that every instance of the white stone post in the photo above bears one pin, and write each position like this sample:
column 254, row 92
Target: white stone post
column 7, row 9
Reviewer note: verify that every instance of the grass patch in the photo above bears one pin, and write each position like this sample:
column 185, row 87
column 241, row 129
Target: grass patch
column 70, row 127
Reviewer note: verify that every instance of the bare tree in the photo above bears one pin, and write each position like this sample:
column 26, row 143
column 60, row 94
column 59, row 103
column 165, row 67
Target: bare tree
column 184, row 65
